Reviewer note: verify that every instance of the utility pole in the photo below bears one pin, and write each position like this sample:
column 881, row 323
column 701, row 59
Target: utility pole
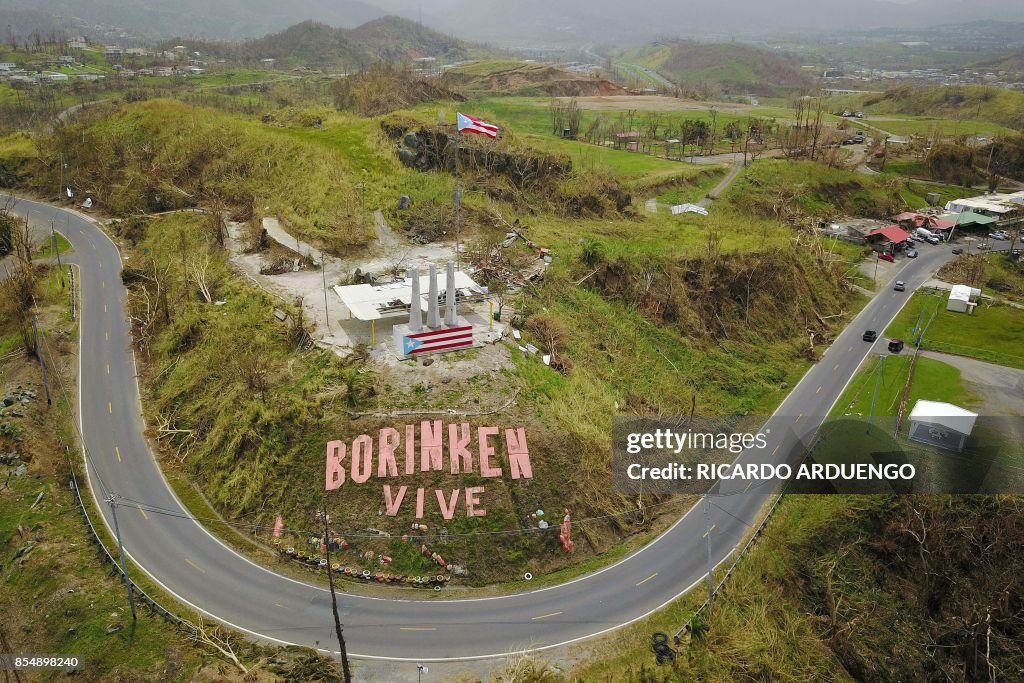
column 112, row 500
column 874, row 277
column 323, row 272
column 39, row 355
column 707, row 535
column 874, row 397
column 458, row 196
column 346, row 673
column 56, row 250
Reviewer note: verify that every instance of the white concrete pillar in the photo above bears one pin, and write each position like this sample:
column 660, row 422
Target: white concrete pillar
column 433, row 310
column 415, row 313
column 450, row 315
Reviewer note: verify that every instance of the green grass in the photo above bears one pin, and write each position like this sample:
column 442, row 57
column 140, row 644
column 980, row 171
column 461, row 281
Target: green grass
column 991, row 334
column 947, row 127
column 933, row 381
column 46, row 250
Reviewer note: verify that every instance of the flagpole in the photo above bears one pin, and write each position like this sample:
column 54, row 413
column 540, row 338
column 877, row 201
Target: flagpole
column 458, row 195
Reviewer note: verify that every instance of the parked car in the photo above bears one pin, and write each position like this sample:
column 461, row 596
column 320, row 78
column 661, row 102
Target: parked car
column 900, row 286
column 887, row 257
column 870, row 336
column 859, row 114
column 895, row 345
column 983, row 247
column 934, row 239
column 912, row 253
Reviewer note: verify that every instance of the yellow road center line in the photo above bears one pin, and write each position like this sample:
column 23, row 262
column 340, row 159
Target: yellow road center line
column 818, row 391
column 776, row 449
column 104, row 284
column 104, row 308
column 110, row 407
column 117, row 451
column 108, row 368
column 143, row 512
column 416, row 628
column 709, row 531
column 545, row 616
column 195, row 566
column 647, row 579
column 835, row 367
column 798, row 417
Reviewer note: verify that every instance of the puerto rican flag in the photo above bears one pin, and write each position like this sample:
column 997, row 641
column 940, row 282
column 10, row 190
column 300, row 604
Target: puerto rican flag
column 471, row 124
column 446, row 339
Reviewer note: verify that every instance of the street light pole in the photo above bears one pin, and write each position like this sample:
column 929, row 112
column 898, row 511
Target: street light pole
column 112, row 500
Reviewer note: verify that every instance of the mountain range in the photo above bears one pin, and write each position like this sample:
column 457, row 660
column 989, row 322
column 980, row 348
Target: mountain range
column 518, row 23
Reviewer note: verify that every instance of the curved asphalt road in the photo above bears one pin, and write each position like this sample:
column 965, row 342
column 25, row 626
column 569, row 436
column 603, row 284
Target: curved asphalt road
column 202, row 572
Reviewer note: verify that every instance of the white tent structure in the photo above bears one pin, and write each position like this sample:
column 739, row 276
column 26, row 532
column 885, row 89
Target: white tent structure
column 941, row 424
column 963, row 299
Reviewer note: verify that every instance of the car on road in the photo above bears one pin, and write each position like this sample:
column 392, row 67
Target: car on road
column 983, row 247
column 870, row 336
column 859, row 114
column 912, row 253
column 900, row 286
column 887, row 257
column 895, row 345
column 958, row 250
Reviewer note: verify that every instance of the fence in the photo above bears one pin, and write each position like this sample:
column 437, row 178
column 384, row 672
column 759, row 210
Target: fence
column 154, row 606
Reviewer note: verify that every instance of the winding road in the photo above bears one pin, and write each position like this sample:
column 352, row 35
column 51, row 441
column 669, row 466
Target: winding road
column 202, row 572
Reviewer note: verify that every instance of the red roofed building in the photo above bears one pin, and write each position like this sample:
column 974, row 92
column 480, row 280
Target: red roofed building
column 886, row 239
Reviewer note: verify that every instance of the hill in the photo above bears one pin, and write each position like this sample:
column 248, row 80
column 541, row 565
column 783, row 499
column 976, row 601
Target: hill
column 731, row 68
column 198, row 18
column 1012, row 63
column 971, row 102
column 509, row 77
column 315, row 44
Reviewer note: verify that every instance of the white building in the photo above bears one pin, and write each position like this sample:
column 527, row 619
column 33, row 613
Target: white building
column 963, row 299
column 941, row 424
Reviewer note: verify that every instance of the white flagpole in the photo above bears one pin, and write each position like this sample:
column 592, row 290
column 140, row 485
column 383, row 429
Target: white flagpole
column 458, row 195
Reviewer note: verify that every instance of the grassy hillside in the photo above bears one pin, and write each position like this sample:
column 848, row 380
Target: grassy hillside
column 314, row 44
column 799, row 189
column 509, row 77
column 972, row 102
column 728, row 68
column 851, row 588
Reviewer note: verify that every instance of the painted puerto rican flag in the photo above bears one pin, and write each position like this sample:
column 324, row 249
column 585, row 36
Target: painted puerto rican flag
column 471, row 124
column 447, row 339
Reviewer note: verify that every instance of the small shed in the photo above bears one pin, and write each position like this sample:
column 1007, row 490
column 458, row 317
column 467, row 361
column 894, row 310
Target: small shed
column 963, row 299
column 941, row 424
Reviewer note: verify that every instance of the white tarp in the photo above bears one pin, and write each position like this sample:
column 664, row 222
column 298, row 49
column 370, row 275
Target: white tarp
column 689, row 208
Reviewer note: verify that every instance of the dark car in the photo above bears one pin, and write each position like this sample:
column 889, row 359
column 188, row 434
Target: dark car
column 958, row 251
column 887, row 257
column 870, row 336
column 900, row 286
column 895, row 345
